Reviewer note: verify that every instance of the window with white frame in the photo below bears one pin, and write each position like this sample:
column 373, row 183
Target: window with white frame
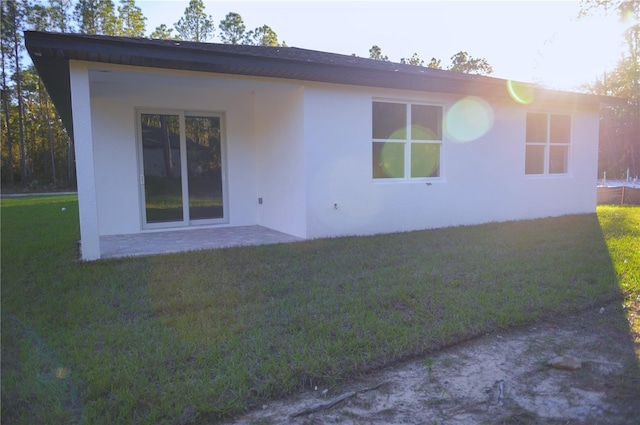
column 547, row 143
column 407, row 140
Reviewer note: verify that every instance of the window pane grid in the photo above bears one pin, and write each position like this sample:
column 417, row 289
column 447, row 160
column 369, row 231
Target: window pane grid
column 548, row 138
column 559, row 129
column 410, row 152
column 426, row 122
column 388, row 160
column 389, row 121
column 558, row 156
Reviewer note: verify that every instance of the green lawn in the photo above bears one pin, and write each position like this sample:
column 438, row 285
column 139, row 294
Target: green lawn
column 189, row 338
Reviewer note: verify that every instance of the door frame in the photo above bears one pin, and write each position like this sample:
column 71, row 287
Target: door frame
column 186, row 220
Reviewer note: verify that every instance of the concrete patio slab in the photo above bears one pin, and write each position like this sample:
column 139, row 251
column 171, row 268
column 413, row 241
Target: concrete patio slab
column 170, row 241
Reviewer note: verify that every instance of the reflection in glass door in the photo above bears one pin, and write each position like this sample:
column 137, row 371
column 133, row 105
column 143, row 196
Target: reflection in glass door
column 204, row 167
column 182, row 174
column 162, row 168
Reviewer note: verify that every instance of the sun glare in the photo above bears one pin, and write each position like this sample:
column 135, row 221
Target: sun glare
column 521, row 92
column 468, row 119
column 581, row 51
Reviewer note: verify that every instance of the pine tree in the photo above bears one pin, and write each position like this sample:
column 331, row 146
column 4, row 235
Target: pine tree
column 96, row 17
column 132, row 21
column 434, row 63
column 195, row 25
column 12, row 25
column 59, row 14
column 60, row 21
column 162, row 32
column 462, row 62
column 375, row 52
column 620, row 125
column 413, row 60
column 233, row 29
column 5, row 25
column 263, row 36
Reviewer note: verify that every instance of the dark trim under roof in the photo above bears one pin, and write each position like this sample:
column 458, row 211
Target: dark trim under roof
column 51, row 53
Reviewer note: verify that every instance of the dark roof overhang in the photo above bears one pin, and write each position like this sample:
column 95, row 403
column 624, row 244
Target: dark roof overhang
column 51, row 53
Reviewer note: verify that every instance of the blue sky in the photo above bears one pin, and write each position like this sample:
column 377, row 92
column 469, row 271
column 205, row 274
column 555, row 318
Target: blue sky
column 535, row 41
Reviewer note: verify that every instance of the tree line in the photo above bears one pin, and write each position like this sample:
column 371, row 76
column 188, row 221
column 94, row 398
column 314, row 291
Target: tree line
column 460, row 62
column 37, row 153
column 619, row 148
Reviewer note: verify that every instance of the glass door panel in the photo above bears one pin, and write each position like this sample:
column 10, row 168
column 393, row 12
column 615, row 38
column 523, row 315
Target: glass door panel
column 204, row 167
column 162, row 168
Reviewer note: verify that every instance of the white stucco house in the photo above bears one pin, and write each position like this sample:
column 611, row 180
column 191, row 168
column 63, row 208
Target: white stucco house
column 172, row 134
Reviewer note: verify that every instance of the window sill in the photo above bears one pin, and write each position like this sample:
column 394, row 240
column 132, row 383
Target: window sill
column 427, row 182
column 548, row 176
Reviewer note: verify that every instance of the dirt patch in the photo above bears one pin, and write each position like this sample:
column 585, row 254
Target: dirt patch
column 502, row 378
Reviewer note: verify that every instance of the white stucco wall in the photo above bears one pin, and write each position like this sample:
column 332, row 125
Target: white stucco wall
column 115, row 97
column 280, row 158
column 85, row 155
column 306, row 150
column 482, row 180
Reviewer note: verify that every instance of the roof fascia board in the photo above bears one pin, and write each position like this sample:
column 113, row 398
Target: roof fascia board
column 165, row 56
column 47, row 48
column 142, row 52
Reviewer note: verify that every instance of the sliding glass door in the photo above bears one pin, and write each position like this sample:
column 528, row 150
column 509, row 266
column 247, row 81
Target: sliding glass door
column 162, row 160
column 204, row 167
column 182, row 174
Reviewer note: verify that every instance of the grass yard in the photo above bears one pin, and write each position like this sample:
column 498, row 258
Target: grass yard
column 190, row 338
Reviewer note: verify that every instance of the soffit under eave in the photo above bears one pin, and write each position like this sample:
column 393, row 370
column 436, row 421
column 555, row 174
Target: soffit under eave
column 166, row 57
column 54, row 69
column 54, row 73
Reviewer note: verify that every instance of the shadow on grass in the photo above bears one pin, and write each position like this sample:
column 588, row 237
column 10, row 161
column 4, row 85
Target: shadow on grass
column 619, row 325
column 193, row 337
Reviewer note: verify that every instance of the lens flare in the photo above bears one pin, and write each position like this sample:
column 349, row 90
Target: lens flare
column 419, row 132
column 389, row 159
column 520, row 92
column 627, row 15
column 468, row 119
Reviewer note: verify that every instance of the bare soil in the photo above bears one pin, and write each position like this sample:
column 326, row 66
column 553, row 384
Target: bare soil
column 500, row 378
